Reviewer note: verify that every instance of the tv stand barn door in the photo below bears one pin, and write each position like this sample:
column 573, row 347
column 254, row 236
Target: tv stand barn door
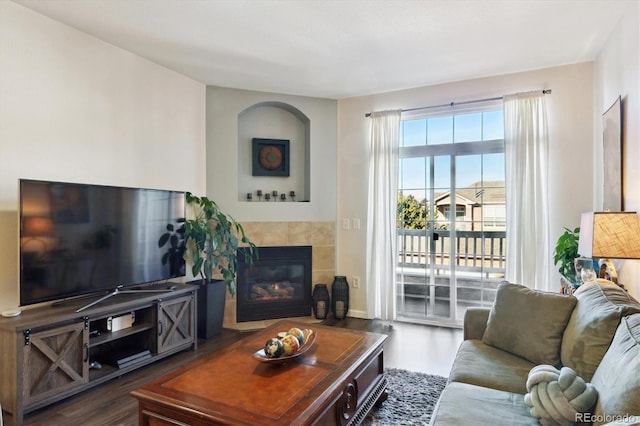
column 54, row 361
column 175, row 323
column 47, row 351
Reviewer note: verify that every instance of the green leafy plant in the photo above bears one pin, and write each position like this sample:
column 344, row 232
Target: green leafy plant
column 212, row 241
column 566, row 251
column 411, row 214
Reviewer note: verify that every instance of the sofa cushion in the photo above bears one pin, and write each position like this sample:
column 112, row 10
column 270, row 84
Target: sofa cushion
column 479, row 364
column 464, row 404
column 617, row 378
column 475, row 322
column 528, row 323
column 592, row 326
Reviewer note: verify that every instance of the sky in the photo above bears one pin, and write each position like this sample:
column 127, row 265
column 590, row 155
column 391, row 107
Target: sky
column 470, row 127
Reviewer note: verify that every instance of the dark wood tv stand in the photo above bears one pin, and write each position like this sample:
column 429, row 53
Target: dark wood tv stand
column 51, row 352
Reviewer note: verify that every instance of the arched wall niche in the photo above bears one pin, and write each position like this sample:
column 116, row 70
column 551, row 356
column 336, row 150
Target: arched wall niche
column 274, row 120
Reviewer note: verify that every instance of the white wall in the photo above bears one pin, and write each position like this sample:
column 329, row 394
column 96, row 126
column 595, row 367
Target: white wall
column 617, row 73
column 223, row 107
column 570, row 115
column 73, row 108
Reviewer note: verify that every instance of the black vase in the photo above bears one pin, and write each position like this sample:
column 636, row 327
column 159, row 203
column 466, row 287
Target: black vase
column 340, row 297
column 321, row 300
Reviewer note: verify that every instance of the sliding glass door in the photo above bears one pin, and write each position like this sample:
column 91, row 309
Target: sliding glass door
column 451, row 214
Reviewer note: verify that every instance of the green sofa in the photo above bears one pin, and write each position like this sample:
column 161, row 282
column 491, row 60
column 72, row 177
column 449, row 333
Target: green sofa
column 595, row 332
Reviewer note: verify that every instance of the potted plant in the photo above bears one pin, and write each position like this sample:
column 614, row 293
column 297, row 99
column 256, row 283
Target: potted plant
column 212, row 239
column 566, row 251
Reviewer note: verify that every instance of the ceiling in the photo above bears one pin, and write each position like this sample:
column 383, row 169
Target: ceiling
column 336, row 49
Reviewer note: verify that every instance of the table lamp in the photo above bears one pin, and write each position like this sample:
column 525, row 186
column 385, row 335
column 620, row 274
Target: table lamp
column 610, row 235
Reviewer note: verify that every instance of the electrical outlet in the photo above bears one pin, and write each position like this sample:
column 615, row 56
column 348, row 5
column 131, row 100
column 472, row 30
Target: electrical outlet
column 356, row 282
column 346, row 223
column 356, row 223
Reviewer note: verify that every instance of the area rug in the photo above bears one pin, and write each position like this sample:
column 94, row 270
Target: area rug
column 412, row 398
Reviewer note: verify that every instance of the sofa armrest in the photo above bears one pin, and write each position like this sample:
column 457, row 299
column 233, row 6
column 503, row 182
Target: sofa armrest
column 475, row 321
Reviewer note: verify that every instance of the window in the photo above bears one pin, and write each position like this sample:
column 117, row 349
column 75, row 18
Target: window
column 495, row 217
column 460, row 212
column 451, row 160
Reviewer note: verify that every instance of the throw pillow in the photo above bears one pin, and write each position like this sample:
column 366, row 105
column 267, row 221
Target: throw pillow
column 558, row 397
column 528, row 323
column 617, row 378
column 592, row 325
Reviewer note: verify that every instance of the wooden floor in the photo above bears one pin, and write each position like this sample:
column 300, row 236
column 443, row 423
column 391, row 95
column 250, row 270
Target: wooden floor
column 412, row 347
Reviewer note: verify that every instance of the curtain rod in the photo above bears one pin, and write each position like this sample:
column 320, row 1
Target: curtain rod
column 452, row 104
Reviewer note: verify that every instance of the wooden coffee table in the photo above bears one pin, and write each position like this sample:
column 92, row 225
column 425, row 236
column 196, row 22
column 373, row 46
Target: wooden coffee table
column 336, row 382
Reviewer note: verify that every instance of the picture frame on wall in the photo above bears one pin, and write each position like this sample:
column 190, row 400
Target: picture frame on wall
column 270, row 157
column 613, row 199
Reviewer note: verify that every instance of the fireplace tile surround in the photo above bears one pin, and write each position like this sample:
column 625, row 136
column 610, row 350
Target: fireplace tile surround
column 319, row 235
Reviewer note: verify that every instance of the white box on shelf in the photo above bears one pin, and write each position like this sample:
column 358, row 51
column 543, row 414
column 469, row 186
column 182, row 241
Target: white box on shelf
column 121, row 322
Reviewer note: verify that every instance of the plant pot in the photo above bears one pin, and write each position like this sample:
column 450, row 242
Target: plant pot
column 211, row 298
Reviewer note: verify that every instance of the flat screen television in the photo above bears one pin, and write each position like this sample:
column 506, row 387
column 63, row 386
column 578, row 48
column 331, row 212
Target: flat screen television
column 77, row 239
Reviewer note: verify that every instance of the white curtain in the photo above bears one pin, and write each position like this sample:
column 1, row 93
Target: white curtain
column 526, row 149
column 381, row 213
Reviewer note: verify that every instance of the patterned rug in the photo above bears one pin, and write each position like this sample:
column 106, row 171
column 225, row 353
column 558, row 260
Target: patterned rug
column 412, row 397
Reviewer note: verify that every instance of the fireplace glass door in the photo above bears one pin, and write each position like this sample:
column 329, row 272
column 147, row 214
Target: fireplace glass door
column 278, row 285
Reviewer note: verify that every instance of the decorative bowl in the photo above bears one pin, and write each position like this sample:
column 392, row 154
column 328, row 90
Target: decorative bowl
column 262, row 357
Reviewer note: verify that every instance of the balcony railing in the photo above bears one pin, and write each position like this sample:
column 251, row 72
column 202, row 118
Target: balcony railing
column 426, row 258
column 482, row 252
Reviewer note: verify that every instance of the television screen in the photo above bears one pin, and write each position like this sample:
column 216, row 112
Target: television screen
column 77, row 239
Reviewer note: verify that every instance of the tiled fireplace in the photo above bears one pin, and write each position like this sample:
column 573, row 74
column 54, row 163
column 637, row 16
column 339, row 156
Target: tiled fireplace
column 318, row 236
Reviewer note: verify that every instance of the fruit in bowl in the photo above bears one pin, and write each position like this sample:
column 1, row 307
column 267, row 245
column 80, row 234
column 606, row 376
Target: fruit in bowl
column 286, row 345
column 273, row 348
column 291, row 344
column 298, row 333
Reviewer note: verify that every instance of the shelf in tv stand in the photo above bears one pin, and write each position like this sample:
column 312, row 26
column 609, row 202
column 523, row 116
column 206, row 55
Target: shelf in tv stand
column 107, row 372
column 110, row 336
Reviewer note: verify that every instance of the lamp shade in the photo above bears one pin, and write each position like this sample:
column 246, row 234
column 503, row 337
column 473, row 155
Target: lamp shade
column 611, row 235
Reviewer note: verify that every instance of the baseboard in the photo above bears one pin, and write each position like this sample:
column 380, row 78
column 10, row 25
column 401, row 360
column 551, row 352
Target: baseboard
column 358, row 314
